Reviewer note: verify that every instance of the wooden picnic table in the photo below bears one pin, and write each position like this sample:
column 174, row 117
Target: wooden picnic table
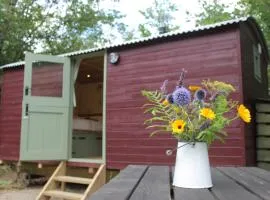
column 137, row 182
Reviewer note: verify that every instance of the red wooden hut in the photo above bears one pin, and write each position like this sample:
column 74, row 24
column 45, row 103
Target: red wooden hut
column 84, row 106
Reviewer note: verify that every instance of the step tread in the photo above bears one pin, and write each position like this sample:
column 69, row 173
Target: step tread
column 72, row 179
column 62, row 194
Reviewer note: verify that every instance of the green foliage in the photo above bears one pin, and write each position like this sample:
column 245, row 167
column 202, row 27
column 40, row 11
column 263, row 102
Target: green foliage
column 197, row 126
column 144, row 31
column 53, row 27
column 19, row 28
column 80, row 28
column 159, row 18
column 215, row 11
column 260, row 10
column 215, row 130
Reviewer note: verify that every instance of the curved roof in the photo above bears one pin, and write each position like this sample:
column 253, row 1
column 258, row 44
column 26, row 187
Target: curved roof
column 249, row 20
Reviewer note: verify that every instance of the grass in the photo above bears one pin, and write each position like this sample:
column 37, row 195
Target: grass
column 8, row 178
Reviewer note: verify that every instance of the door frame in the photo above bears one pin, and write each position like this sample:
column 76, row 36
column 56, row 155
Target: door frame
column 75, row 61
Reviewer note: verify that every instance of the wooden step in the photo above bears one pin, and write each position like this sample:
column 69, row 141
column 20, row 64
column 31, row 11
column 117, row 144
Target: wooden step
column 64, row 195
column 71, row 179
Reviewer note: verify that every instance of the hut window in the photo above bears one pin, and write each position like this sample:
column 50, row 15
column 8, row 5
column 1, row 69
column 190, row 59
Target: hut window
column 257, row 62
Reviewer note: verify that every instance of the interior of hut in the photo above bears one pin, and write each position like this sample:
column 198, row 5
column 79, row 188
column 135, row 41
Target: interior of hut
column 87, row 113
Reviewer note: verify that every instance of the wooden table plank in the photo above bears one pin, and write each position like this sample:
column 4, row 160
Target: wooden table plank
column 155, row 185
column 227, row 189
column 191, row 194
column 122, row 186
column 261, row 173
column 252, row 183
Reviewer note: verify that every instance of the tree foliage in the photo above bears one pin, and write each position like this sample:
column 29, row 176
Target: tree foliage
column 215, row 11
column 19, row 28
column 52, row 26
column 81, row 27
column 259, row 9
column 159, row 18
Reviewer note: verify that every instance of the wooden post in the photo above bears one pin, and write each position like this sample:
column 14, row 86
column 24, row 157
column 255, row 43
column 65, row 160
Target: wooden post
column 91, row 170
column 40, row 166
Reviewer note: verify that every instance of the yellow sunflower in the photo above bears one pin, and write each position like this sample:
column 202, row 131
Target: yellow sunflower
column 194, row 88
column 178, row 126
column 165, row 102
column 244, row 113
column 208, row 113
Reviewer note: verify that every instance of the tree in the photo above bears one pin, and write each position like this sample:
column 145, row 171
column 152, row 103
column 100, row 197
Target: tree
column 19, row 23
column 51, row 26
column 159, row 18
column 259, row 9
column 81, row 27
column 215, row 11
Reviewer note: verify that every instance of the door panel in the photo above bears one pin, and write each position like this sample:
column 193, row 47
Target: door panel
column 46, row 108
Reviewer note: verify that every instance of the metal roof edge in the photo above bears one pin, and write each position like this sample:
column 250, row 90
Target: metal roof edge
column 15, row 64
column 142, row 40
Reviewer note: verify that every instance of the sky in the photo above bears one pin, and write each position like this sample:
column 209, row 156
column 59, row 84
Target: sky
column 133, row 18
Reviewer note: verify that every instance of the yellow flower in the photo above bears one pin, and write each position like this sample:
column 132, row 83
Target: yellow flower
column 244, row 113
column 208, row 113
column 194, row 88
column 165, row 102
column 178, row 126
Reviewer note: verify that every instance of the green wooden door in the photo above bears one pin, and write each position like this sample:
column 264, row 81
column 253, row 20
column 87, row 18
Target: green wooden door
column 46, row 108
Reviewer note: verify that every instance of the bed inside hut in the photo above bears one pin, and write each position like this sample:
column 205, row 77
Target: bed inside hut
column 87, row 112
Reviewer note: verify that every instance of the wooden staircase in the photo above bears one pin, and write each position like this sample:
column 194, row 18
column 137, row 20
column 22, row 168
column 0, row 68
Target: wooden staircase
column 56, row 185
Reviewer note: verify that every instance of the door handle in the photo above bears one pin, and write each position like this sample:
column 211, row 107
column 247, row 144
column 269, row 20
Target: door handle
column 26, row 90
column 26, row 110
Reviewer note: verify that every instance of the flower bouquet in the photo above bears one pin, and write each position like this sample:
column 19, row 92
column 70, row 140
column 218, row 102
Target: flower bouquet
column 196, row 116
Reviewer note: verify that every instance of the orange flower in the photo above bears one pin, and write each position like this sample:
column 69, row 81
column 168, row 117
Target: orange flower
column 178, row 126
column 194, row 88
column 244, row 113
column 208, row 113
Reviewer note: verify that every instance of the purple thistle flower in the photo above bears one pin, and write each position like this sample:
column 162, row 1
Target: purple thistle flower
column 200, row 94
column 181, row 96
column 163, row 87
column 170, row 98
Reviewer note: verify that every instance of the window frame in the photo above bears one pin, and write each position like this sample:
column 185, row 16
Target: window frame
column 257, row 63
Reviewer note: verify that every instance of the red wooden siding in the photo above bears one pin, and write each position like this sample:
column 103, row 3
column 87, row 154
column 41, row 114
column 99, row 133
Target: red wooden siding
column 46, row 82
column 10, row 114
column 212, row 56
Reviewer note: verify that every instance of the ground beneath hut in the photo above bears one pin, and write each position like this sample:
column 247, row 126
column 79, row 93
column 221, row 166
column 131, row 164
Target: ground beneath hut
column 24, row 194
column 10, row 189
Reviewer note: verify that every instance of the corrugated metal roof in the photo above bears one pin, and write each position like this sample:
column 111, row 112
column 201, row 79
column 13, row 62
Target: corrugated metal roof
column 142, row 40
column 169, row 34
column 15, row 64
